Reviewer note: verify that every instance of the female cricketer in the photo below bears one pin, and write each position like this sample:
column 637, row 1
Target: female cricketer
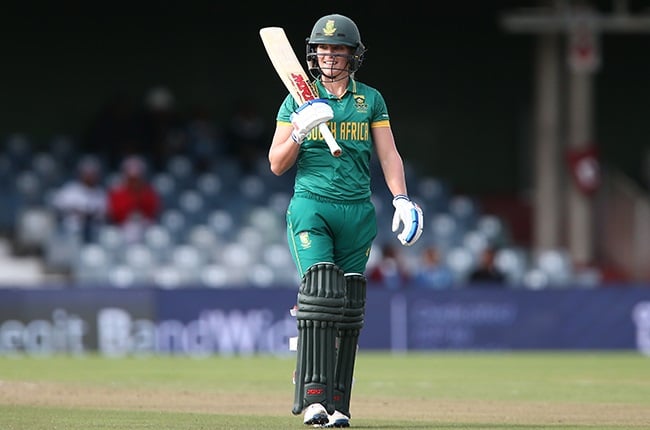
column 331, row 221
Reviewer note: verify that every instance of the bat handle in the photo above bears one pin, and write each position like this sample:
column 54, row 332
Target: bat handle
column 335, row 149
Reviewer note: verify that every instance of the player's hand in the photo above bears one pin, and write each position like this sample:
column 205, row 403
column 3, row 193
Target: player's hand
column 308, row 116
column 410, row 215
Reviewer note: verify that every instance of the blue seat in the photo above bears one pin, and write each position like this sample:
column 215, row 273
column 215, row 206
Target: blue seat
column 475, row 241
column 34, row 226
column 513, row 262
column 210, row 186
column 182, row 169
column 49, row 172
column 167, row 276
column 19, row 148
column 166, row 186
column 557, row 265
column 494, row 229
column 222, row 222
column 465, row 210
column 30, row 189
column 91, row 266
column 188, row 261
column 140, row 261
column 253, row 189
column 192, row 204
column 461, row 261
column 432, row 194
column 111, row 239
column 204, row 239
column 445, row 230
column 215, row 275
column 159, row 241
column 261, row 275
column 175, row 222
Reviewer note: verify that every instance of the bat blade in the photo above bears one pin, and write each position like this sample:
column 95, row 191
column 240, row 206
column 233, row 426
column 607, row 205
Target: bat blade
column 292, row 74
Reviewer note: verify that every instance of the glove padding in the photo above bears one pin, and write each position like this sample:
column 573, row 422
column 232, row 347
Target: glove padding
column 309, row 115
column 410, row 215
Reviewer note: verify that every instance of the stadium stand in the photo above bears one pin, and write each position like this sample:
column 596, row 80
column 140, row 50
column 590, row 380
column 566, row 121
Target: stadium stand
column 224, row 226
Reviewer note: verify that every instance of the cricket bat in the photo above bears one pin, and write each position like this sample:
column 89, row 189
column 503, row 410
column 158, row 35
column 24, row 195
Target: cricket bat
column 293, row 75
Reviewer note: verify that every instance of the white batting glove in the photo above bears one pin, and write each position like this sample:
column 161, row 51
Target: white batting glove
column 308, row 116
column 410, row 215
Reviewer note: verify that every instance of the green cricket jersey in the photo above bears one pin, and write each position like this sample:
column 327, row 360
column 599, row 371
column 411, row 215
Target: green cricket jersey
column 347, row 177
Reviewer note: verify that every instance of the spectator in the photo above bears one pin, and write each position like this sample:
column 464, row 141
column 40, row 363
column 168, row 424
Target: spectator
column 80, row 204
column 389, row 271
column 433, row 272
column 486, row 271
column 133, row 203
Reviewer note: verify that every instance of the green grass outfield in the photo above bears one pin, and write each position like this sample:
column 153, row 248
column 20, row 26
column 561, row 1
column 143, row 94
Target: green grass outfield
column 531, row 390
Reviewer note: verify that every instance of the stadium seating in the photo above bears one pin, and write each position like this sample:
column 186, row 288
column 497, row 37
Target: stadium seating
column 223, row 226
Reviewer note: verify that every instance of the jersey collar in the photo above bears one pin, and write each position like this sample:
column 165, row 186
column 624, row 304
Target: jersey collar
column 322, row 91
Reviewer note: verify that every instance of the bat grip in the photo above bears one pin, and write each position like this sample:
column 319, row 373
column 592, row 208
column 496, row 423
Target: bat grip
column 335, row 149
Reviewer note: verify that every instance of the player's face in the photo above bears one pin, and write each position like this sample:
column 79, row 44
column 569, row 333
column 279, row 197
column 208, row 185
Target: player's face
column 333, row 60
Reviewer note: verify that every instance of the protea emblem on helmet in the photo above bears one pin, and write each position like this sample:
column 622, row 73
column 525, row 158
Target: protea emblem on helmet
column 329, row 28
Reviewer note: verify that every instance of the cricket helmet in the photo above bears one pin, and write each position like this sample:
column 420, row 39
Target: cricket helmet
column 335, row 29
